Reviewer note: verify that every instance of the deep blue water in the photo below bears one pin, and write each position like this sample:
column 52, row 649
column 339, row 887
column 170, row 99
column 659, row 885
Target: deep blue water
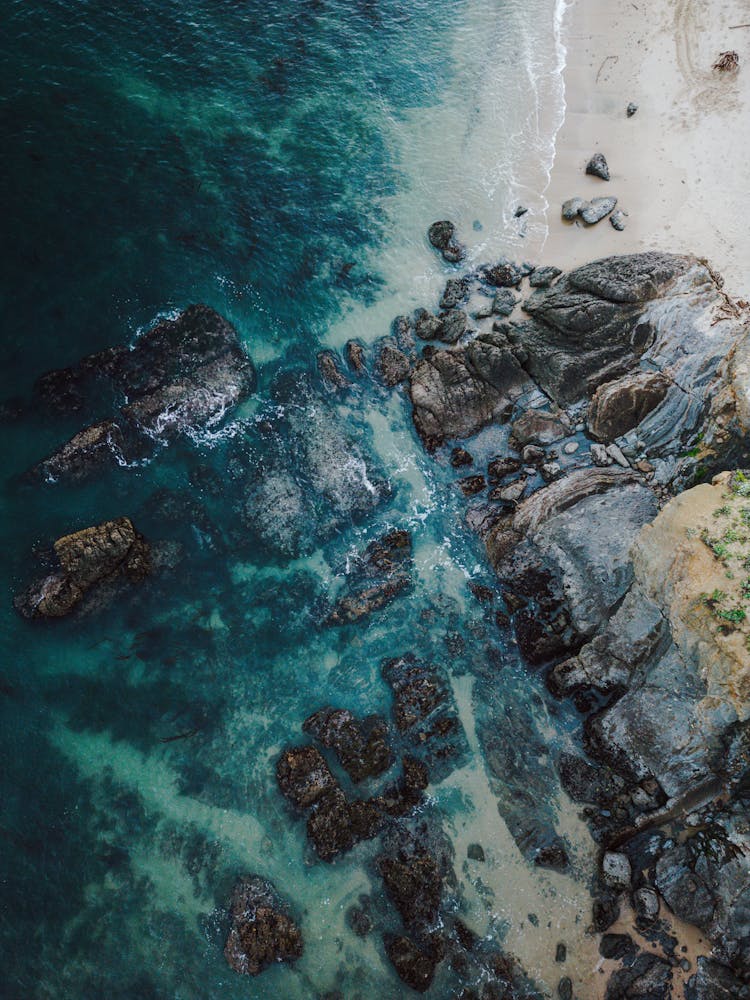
column 254, row 158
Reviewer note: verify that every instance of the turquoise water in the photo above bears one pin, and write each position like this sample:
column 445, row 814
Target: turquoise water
column 281, row 165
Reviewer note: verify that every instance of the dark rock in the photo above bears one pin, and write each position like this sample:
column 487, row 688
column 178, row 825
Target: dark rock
column 401, row 798
column 427, row 326
column 359, row 920
column 618, row 220
column 571, row 208
column 504, row 302
column 616, row 946
column 361, row 747
column 503, row 274
column 646, row 904
column 553, row 855
column 501, row 467
column 597, row 167
column 565, row 988
column 442, row 236
column 648, row 978
column 521, row 210
column 631, row 109
column 532, row 454
column 261, row 932
column 475, row 852
column 687, row 891
column 330, row 371
column 714, row 981
column 472, row 485
column 353, row 607
column 303, row 776
column 336, row 825
column 415, row 886
column 605, row 911
column 597, row 209
column 389, row 553
column 414, row 967
column 619, row 406
column 561, row 952
column 95, row 447
column 355, row 356
column 455, row 393
column 460, row 458
column 88, row 560
column 456, row 290
column 544, row 276
column 453, row 325
column 392, row 364
column 485, row 595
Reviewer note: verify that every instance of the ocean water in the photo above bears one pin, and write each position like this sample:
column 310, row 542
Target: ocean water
column 282, row 165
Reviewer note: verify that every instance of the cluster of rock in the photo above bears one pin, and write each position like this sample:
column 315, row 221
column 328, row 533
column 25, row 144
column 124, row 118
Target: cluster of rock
column 182, row 375
column 618, row 384
column 261, row 931
column 596, row 209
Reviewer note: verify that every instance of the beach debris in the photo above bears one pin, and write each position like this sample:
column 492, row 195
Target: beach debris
column 727, row 61
column 521, row 210
column 597, row 209
column 571, row 207
column 631, row 109
column 442, row 236
column 606, row 59
column 597, row 166
column 618, row 220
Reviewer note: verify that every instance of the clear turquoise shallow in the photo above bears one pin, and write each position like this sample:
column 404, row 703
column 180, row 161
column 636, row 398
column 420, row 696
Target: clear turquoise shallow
column 251, row 158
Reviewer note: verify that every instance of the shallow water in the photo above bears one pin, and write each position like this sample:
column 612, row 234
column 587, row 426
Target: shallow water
column 281, row 165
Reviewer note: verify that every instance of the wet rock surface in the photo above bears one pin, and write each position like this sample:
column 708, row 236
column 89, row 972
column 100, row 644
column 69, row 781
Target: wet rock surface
column 88, row 560
column 262, row 933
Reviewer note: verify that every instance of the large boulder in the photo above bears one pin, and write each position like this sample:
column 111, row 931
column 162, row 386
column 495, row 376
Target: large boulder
column 619, row 406
column 87, row 560
column 262, row 932
column 454, row 393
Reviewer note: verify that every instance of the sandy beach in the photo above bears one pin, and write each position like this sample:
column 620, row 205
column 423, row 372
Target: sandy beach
column 677, row 166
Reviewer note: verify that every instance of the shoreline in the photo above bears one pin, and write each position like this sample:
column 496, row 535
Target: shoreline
column 675, row 165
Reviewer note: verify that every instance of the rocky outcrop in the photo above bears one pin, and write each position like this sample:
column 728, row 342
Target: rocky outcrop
column 87, row 560
column 262, row 932
column 375, row 579
column 618, row 406
column 442, row 236
column 361, row 747
column 180, row 376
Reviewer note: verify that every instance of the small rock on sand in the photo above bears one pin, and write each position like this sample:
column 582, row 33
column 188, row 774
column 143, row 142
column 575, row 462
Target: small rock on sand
column 618, row 220
column 598, row 167
column 597, row 209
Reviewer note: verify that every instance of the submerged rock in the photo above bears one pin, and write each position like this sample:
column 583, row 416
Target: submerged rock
column 330, row 371
column 413, row 966
column 87, row 559
column 361, row 747
column 303, row 776
column 262, row 933
column 87, row 452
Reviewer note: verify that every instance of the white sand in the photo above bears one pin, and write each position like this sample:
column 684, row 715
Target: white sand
column 678, row 167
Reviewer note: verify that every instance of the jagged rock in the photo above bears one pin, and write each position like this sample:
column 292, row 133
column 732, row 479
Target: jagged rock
column 456, row 290
column 648, row 978
column 544, row 276
column 461, row 458
column 427, row 326
column 392, row 364
column 532, row 454
column 361, row 747
column 616, row 946
column 713, row 981
column 415, row 886
column 442, row 236
column 615, row 453
column 387, row 559
column 597, row 166
column 353, row 607
column 618, row 406
column 453, row 325
column 571, row 208
column 330, row 371
column 355, row 356
column 503, row 274
column 596, row 210
column 303, row 776
column 471, row 485
column 455, row 393
column 618, row 220
column 262, row 932
column 688, row 893
column 599, row 456
column 401, row 798
column 501, row 467
column 87, row 559
column 413, row 966
column 504, row 302
column 97, row 446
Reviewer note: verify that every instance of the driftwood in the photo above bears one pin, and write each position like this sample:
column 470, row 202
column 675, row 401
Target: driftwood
column 727, row 61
